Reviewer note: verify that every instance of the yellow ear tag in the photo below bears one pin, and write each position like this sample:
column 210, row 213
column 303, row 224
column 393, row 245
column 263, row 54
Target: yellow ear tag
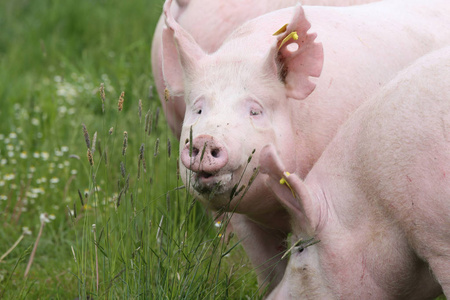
column 284, row 181
column 281, row 30
column 292, row 35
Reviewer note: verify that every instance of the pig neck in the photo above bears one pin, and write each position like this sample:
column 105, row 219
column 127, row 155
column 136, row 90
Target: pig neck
column 273, row 217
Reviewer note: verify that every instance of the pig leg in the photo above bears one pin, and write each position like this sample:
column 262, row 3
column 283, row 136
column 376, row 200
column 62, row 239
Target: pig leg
column 264, row 247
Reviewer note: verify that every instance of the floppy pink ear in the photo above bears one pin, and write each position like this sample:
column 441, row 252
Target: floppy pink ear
column 180, row 53
column 290, row 190
column 298, row 57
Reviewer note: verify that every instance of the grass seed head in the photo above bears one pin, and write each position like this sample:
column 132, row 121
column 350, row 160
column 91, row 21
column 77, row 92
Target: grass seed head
column 86, row 136
column 94, row 141
column 119, row 198
column 122, row 169
column 102, row 95
column 125, row 143
column 141, row 151
column 90, row 157
column 121, row 100
column 156, row 148
column 144, row 165
column 81, row 198
column 166, row 95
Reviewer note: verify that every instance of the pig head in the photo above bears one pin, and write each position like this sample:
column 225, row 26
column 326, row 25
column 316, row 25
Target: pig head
column 371, row 220
column 229, row 97
column 218, row 19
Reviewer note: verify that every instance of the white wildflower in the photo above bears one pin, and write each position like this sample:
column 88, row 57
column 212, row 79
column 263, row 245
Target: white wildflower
column 26, row 231
column 10, row 176
column 45, row 155
column 35, row 122
column 44, row 218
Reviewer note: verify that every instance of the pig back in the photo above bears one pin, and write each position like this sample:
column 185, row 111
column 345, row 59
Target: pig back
column 403, row 150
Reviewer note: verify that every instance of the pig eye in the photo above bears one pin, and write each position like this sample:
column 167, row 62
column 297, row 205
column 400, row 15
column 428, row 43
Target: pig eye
column 255, row 112
column 199, row 111
column 300, row 249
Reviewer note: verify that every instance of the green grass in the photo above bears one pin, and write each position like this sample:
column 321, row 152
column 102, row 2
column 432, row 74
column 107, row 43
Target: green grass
column 151, row 239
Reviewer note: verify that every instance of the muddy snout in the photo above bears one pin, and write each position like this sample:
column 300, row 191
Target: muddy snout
column 207, row 155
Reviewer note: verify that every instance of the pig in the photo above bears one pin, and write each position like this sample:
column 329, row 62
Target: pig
column 218, row 19
column 377, row 202
column 292, row 77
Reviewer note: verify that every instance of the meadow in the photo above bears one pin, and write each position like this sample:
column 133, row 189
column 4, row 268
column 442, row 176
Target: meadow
column 91, row 205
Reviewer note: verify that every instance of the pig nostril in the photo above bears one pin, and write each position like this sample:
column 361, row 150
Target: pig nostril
column 194, row 152
column 215, row 153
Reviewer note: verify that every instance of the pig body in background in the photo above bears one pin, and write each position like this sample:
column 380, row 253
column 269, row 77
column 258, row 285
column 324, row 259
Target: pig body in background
column 378, row 199
column 257, row 88
column 210, row 22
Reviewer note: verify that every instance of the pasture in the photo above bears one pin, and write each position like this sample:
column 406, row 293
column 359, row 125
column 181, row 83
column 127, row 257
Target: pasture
column 91, row 205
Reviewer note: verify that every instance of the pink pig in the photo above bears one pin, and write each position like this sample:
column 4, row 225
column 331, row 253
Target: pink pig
column 378, row 199
column 258, row 88
column 210, row 22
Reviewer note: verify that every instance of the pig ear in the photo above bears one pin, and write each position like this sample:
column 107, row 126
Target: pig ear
column 180, row 53
column 290, row 190
column 297, row 56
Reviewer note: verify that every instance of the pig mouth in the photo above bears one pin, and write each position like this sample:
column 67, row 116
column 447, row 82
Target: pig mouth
column 211, row 184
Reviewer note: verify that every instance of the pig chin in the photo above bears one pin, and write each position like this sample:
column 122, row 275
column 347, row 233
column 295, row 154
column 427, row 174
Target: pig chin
column 208, row 185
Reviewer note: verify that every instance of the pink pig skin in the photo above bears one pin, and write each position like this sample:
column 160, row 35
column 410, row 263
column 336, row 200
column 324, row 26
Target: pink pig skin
column 378, row 199
column 254, row 90
column 210, row 22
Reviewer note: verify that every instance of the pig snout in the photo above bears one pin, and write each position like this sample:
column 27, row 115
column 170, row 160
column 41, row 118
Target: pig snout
column 206, row 155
